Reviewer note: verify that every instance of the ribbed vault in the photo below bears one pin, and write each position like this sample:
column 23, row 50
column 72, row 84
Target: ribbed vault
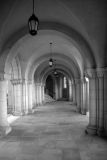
column 61, row 62
column 31, row 48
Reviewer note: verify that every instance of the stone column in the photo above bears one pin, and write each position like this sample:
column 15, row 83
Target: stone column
column 4, row 125
column 56, row 89
column 33, row 95
column 78, row 94
column 70, row 92
column 92, row 127
column 105, row 101
column 60, row 87
column 38, row 93
column 83, row 96
column 74, row 92
column 100, row 75
column 25, row 96
column 87, row 95
column 17, row 86
column 30, row 98
column 42, row 94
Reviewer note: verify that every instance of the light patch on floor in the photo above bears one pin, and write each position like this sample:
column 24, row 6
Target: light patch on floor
column 53, row 132
column 12, row 118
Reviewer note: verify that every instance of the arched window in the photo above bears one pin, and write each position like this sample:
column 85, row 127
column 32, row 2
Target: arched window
column 65, row 82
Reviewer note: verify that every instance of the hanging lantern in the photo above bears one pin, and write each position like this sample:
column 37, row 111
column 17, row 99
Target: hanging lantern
column 33, row 23
column 55, row 72
column 51, row 62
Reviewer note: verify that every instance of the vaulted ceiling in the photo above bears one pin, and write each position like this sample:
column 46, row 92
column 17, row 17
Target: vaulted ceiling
column 76, row 28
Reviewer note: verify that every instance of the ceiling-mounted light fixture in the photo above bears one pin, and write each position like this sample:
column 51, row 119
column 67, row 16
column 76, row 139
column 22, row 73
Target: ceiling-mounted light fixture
column 55, row 70
column 33, row 23
column 50, row 60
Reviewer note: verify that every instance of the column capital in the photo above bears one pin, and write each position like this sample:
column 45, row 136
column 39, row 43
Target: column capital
column 98, row 72
column 77, row 80
column 101, row 72
column 83, row 80
column 2, row 77
column 16, row 81
column 38, row 84
column 20, row 81
column 29, row 81
column 42, row 85
column 91, row 73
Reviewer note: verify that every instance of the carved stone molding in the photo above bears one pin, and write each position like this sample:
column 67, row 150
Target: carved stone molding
column 17, row 81
column 29, row 82
column 77, row 81
column 38, row 84
column 91, row 73
column 101, row 72
column 96, row 73
column 2, row 78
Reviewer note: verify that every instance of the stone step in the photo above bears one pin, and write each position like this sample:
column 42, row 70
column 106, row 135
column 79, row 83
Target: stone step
column 48, row 98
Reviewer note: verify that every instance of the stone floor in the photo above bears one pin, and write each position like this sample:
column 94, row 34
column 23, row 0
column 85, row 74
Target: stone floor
column 54, row 132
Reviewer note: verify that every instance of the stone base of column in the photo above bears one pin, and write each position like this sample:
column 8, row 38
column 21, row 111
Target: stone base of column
column 92, row 130
column 78, row 109
column 4, row 130
column 83, row 111
column 101, row 132
column 30, row 111
column 43, row 102
column 17, row 113
column 37, row 105
column 74, row 103
column 25, row 112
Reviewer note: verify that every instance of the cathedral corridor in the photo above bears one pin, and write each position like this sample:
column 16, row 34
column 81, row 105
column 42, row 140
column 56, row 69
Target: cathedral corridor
column 55, row 131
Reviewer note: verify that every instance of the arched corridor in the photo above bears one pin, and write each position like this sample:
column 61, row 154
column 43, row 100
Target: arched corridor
column 60, row 72
column 54, row 131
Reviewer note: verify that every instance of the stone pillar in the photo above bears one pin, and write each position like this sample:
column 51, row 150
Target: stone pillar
column 74, row 92
column 56, row 89
column 33, row 95
column 70, row 92
column 4, row 125
column 83, row 96
column 92, row 127
column 78, row 94
column 105, row 101
column 39, row 94
column 60, row 87
column 36, row 92
column 17, row 89
column 30, row 98
column 43, row 95
column 36, row 95
column 100, row 75
column 23, row 96
column 87, row 95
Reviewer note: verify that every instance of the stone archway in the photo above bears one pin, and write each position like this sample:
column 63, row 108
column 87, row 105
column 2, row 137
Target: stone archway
column 49, row 86
column 70, row 57
column 14, row 90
